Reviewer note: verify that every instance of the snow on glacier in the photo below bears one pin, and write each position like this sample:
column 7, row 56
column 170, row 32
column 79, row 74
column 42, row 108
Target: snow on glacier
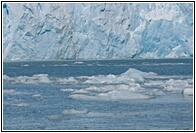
column 53, row 31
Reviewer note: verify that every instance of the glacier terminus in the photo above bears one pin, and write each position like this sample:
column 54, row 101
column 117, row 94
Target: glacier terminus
column 55, row 31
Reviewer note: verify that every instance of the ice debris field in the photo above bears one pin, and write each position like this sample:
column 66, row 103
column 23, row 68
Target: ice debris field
column 130, row 85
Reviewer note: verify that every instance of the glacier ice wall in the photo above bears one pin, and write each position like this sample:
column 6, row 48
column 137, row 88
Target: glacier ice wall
column 54, row 31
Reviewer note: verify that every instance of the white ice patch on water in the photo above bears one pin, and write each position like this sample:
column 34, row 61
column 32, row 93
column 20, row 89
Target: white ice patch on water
column 53, row 117
column 5, row 77
column 99, row 114
column 25, row 65
column 112, row 96
column 35, row 79
column 173, row 85
column 78, row 62
column 42, row 78
column 73, row 112
column 67, row 90
column 81, row 91
column 69, row 80
column 136, row 75
column 61, row 65
column 99, row 89
column 101, row 79
column 11, row 91
column 112, row 93
column 188, row 92
column 132, row 84
column 37, row 96
column 107, row 88
column 154, row 83
column 21, row 104
column 130, row 76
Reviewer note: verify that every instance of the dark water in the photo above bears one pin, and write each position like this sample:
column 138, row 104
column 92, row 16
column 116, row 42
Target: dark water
column 40, row 106
column 89, row 68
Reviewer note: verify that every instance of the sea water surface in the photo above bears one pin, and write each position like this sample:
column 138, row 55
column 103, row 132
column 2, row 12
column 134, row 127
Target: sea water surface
column 139, row 94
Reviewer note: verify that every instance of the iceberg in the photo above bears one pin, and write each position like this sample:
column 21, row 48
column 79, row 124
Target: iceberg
column 59, row 31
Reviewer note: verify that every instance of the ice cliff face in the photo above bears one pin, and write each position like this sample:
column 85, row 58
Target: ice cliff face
column 50, row 31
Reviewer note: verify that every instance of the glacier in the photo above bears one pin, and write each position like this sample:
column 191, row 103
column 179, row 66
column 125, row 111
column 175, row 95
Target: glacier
column 59, row 31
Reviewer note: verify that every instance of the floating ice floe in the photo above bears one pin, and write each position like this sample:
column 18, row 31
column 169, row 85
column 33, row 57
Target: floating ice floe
column 53, row 117
column 69, row 80
column 21, row 104
column 136, row 75
column 188, row 92
column 112, row 96
column 173, row 85
column 94, row 89
column 61, row 65
column 42, row 78
column 73, row 111
column 78, row 62
column 154, row 83
column 37, row 96
column 113, row 93
column 35, row 79
column 25, row 65
column 5, row 77
column 130, row 76
column 67, row 90
column 11, row 91
column 132, row 84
